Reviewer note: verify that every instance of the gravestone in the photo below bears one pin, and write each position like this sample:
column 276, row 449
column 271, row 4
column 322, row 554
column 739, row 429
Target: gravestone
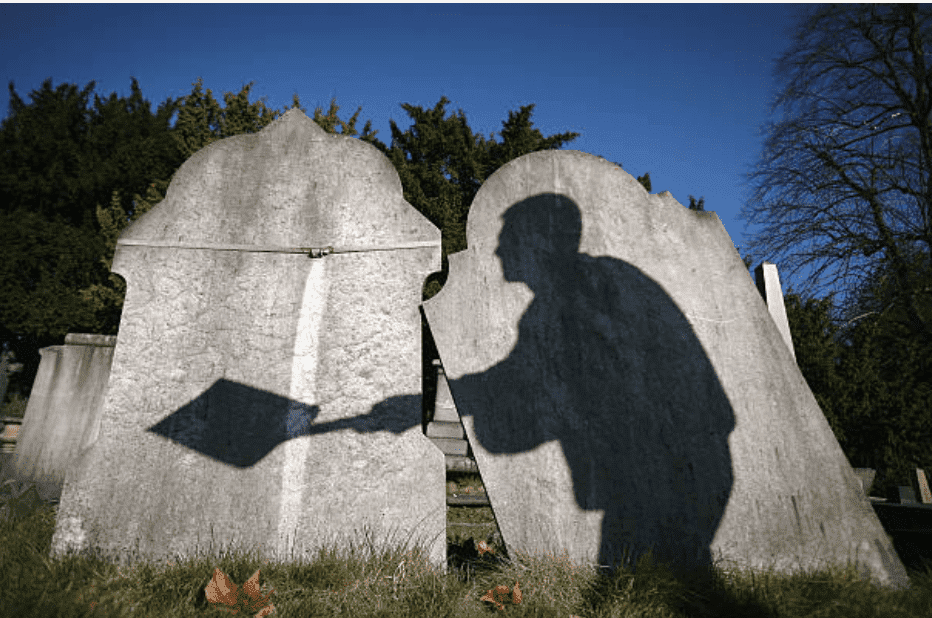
column 7, row 368
column 63, row 414
column 264, row 394
column 624, row 388
column 923, row 482
column 866, row 476
column 768, row 284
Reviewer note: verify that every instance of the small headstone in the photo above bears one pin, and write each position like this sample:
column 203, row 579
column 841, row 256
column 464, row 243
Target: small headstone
column 7, row 368
column 866, row 476
column 265, row 385
column 768, row 284
column 924, row 492
column 623, row 386
column 63, row 414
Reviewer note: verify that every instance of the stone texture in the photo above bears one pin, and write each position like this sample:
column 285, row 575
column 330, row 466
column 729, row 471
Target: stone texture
column 262, row 399
column 63, row 414
column 624, row 388
column 866, row 476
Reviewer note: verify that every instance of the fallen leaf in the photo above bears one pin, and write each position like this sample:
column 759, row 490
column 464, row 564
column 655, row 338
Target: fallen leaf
column 491, row 599
column 265, row 611
column 251, row 588
column 221, row 590
column 498, row 595
column 483, row 547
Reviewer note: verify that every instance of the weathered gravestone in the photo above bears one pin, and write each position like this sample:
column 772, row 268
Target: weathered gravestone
column 262, row 399
column 63, row 414
column 768, row 284
column 624, row 388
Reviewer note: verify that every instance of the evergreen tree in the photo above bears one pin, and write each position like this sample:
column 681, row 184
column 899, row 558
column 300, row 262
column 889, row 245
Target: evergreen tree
column 58, row 159
column 694, row 205
column 817, row 350
column 442, row 164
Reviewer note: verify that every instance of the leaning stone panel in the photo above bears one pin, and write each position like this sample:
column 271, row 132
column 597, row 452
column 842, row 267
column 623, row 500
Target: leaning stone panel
column 262, row 399
column 63, row 415
column 624, row 388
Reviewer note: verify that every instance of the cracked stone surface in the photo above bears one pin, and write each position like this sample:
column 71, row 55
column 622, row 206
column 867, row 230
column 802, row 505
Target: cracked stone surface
column 263, row 400
column 623, row 386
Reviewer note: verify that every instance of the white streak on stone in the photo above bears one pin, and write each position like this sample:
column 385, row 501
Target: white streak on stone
column 303, row 390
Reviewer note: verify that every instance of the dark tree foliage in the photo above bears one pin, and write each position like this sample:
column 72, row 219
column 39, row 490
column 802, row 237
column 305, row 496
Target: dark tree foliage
column 884, row 403
column 871, row 382
column 694, row 205
column 815, row 344
column 442, row 164
column 59, row 158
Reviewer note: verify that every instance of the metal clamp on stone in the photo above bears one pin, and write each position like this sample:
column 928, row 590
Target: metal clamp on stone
column 317, row 253
column 312, row 252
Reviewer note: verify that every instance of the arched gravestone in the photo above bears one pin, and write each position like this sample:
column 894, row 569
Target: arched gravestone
column 624, row 388
column 261, row 399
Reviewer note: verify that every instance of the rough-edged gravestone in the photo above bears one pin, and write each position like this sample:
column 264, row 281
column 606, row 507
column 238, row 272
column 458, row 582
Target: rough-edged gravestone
column 262, row 399
column 624, row 388
column 63, row 414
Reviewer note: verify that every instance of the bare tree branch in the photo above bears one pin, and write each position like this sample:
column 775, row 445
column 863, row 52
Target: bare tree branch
column 843, row 188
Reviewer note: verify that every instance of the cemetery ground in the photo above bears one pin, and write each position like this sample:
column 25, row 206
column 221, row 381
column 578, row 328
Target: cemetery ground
column 398, row 582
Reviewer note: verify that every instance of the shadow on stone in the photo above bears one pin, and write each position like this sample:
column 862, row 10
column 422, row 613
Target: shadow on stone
column 238, row 425
column 606, row 365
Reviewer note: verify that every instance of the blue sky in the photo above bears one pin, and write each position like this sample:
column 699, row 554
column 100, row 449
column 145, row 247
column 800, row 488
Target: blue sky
column 678, row 90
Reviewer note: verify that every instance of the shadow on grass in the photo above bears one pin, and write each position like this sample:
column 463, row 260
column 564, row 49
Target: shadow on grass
column 400, row 582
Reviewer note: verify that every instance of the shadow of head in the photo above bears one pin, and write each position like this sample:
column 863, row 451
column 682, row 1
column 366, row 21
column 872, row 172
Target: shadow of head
column 539, row 239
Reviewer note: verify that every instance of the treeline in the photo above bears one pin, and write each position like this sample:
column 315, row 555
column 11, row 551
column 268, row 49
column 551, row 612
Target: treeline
column 872, row 377
column 73, row 175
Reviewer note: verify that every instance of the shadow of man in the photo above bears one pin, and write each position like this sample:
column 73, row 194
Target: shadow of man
column 606, row 364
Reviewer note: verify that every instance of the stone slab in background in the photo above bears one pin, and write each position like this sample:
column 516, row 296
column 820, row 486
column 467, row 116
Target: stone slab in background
column 924, row 493
column 261, row 399
column 63, row 414
column 866, row 476
column 768, row 284
column 624, row 388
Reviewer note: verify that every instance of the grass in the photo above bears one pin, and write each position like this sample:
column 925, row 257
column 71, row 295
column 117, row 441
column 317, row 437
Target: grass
column 400, row 582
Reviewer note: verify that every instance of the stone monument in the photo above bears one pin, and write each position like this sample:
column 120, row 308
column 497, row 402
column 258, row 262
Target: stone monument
column 264, row 394
column 63, row 414
column 624, row 388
